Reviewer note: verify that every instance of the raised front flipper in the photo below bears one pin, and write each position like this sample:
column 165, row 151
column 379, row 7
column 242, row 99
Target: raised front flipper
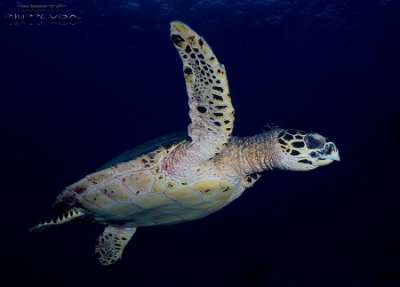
column 211, row 111
column 111, row 243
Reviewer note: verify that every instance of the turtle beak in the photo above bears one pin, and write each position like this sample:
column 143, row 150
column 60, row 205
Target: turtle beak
column 331, row 154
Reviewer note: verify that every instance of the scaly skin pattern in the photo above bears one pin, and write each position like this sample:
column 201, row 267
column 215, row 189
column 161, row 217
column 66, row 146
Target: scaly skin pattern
column 261, row 153
column 244, row 160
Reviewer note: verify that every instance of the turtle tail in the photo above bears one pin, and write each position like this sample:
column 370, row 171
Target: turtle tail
column 70, row 215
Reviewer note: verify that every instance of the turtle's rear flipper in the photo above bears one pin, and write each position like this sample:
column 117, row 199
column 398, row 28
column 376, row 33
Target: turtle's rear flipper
column 71, row 214
column 111, row 243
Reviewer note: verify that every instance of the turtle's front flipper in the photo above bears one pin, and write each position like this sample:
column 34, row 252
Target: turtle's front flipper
column 71, row 214
column 211, row 110
column 111, row 243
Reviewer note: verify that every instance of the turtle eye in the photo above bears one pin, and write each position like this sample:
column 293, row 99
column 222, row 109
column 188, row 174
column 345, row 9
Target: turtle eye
column 314, row 141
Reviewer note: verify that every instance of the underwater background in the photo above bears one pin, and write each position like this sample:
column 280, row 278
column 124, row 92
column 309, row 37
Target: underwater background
column 76, row 92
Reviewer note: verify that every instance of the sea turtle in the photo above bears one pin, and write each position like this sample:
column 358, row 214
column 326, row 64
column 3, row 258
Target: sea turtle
column 188, row 175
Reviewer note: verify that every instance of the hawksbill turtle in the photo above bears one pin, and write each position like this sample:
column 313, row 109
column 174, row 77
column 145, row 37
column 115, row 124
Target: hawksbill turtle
column 186, row 175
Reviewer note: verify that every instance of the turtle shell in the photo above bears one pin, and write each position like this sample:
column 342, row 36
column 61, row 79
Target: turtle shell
column 147, row 147
column 135, row 189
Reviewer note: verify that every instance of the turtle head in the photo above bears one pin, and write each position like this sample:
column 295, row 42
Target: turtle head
column 303, row 150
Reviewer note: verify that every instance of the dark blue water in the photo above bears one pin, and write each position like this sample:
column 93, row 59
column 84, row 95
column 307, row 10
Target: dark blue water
column 76, row 93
